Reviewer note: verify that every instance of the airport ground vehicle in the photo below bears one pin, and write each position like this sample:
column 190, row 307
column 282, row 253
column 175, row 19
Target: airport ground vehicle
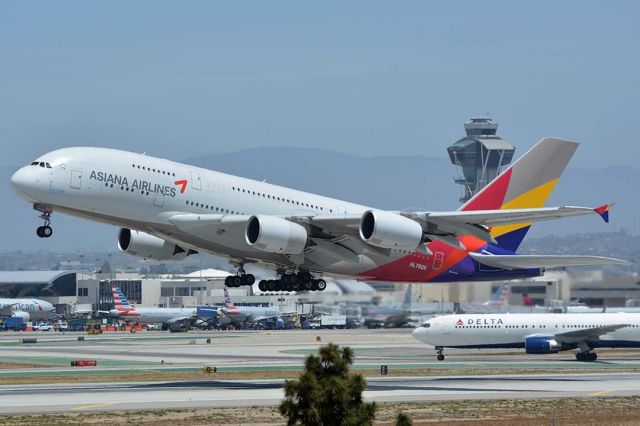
column 43, row 326
column 178, row 327
column 333, row 321
column 156, row 326
column 13, row 324
column 61, row 326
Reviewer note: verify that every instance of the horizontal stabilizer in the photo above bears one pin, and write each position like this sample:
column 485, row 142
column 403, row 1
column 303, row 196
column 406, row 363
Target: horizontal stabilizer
column 542, row 261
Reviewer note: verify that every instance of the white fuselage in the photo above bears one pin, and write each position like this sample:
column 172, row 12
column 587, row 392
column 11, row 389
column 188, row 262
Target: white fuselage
column 511, row 330
column 151, row 315
column 140, row 192
column 240, row 314
column 28, row 309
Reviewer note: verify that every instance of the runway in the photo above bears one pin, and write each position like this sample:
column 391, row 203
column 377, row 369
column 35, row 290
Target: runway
column 156, row 370
column 207, row 394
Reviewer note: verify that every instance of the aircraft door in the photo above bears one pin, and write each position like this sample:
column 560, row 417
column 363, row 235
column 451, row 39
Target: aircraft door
column 196, row 182
column 76, row 179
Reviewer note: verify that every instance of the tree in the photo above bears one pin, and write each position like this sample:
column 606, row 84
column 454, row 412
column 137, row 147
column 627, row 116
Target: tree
column 403, row 419
column 327, row 393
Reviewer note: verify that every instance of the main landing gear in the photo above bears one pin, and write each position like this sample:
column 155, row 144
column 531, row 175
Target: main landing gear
column 586, row 356
column 240, row 279
column 439, row 350
column 302, row 281
column 44, row 231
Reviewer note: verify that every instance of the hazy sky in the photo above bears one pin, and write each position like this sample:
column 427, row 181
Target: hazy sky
column 179, row 79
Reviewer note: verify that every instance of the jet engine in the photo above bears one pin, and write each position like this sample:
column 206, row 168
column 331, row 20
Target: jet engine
column 542, row 345
column 137, row 243
column 390, row 230
column 21, row 314
column 275, row 235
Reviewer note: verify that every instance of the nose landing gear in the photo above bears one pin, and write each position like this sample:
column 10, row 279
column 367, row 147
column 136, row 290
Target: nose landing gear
column 44, row 231
column 439, row 350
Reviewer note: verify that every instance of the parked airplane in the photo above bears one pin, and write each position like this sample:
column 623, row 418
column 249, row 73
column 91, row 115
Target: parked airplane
column 242, row 314
column 27, row 309
column 383, row 317
column 148, row 314
column 168, row 210
column 536, row 333
column 499, row 299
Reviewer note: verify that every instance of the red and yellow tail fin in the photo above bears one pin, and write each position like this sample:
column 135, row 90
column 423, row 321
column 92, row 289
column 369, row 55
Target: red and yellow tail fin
column 527, row 183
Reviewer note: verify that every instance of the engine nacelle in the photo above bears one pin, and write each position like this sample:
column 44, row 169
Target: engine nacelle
column 141, row 244
column 21, row 314
column 275, row 235
column 390, row 230
column 541, row 345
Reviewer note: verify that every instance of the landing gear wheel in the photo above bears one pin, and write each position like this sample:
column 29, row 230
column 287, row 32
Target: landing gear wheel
column 440, row 357
column 262, row 285
column 314, row 285
column 308, row 285
column 44, row 231
column 321, row 284
column 271, row 285
column 249, row 279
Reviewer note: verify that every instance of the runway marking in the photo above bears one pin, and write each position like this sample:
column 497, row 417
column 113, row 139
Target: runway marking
column 89, row 407
column 602, row 392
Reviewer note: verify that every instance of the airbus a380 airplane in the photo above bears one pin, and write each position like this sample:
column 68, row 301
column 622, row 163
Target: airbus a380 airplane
column 169, row 210
column 536, row 333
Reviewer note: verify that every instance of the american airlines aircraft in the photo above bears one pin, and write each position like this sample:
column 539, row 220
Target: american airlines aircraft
column 536, row 333
column 27, row 309
column 241, row 314
column 169, row 210
column 148, row 314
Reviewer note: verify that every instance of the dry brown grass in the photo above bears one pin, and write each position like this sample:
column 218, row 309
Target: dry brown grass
column 570, row 411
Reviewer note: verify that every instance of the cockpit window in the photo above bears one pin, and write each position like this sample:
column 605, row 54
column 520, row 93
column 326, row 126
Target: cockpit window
column 41, row 164
column 426, row 325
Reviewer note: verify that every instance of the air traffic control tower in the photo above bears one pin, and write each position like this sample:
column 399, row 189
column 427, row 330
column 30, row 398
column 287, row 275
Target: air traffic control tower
column 481, row 155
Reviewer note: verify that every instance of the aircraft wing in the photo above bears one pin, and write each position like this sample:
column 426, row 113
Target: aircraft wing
column 591, row 333
column 541, row 261
column 441, row 225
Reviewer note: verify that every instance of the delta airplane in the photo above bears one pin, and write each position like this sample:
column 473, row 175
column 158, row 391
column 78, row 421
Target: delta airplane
column 148, row 314
column 27, row 309
column 168, row 210
column 536, row 333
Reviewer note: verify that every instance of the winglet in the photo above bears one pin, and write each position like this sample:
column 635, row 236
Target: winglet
column 603, row 211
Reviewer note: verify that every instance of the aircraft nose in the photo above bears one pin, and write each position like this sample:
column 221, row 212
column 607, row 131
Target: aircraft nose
column 418, row 333
column 22, row 180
